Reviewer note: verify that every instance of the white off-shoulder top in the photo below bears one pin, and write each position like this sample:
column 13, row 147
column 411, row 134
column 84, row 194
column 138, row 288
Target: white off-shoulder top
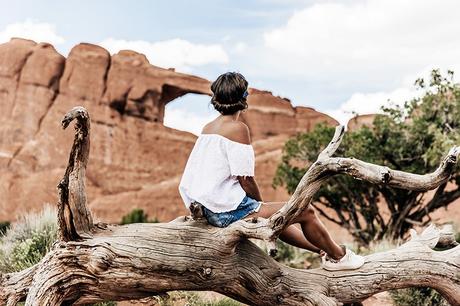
column 210, row 175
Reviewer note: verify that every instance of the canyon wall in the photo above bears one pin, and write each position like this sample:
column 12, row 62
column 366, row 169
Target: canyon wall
column 135, row 161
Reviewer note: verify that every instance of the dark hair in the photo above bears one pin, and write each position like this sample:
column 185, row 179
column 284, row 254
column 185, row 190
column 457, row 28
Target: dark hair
column 229, row 93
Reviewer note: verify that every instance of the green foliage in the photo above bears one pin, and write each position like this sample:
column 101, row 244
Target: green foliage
column 193, row 299
column 28, row 240
column 295, row 257
column 137, row 215
column 417, row 297
column 222, row 302
column 413, row 138
column 105, row 304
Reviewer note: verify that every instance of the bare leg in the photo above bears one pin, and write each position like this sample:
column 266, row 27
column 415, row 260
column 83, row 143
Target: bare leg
column 291, row 235
column 314, row 232
column 294, row 236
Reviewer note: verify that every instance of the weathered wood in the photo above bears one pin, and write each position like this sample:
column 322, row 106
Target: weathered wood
column 140, row 260
column 74, row 218
column 15, row 286
column 99, row 262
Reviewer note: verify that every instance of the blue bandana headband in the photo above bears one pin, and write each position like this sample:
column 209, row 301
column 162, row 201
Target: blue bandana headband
column 245, row 94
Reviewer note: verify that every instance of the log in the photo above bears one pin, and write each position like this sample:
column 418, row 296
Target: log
column 99, row 262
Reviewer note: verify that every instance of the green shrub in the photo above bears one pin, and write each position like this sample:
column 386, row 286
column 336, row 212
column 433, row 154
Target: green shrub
column 193, row 299
column 417, row 297
column 222, row 302
column 28, row 240
column 137, row 215
column 295, row 257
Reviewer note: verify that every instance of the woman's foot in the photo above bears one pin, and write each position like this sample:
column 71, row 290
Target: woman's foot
column 349, row 261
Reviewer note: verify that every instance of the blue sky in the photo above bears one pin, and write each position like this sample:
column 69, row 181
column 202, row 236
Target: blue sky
column 336, row 56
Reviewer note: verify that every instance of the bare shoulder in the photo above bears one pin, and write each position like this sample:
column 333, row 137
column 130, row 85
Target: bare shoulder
column 234, row 130
column 237, row 131
column 206, row 128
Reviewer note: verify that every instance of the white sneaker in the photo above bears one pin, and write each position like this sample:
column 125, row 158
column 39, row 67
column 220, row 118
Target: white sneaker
column 349, row 261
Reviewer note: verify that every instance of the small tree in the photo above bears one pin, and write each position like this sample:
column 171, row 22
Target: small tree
column 409, row 138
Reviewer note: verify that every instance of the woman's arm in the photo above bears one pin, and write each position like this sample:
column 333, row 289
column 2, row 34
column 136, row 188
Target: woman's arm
column 249, row 185
column 240, row 133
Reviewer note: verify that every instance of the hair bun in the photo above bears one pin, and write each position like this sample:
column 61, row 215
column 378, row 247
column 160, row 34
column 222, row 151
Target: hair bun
column 229, row 93
column 228, row 108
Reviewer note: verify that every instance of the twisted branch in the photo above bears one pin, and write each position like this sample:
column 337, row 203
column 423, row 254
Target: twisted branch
column 74, row 218
column 97, row 263
column 327, row 166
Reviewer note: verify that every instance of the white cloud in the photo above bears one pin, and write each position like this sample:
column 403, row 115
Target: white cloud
column 181, row 119
column 240, row 47
column 37, row 31
column 373, row 48
column 365, row 39
column 371, row 103
column 177, row 53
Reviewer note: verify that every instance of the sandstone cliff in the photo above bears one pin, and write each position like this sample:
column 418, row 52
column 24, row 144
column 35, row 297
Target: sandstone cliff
column 135, row 160
column 359, row 121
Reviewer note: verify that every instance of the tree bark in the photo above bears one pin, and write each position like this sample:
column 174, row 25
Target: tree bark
column 92, row 263
column 74, row 218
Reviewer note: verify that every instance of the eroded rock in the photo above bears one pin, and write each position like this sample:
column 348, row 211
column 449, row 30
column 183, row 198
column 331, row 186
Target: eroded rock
column 135, row 161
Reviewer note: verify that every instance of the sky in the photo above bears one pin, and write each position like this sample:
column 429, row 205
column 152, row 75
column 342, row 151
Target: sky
column 340, row 57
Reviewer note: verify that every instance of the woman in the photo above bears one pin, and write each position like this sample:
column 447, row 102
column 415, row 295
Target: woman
column 220, row 175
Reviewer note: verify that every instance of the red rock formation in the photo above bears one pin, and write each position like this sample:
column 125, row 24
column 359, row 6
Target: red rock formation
column 282, row 117
column 359, row 121
column 135, row 162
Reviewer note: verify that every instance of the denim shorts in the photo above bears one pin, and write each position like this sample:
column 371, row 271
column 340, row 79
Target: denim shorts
column 224, row 219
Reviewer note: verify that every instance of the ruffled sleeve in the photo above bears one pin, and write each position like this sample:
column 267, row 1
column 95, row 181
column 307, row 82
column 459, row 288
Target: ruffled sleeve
column 240, row 159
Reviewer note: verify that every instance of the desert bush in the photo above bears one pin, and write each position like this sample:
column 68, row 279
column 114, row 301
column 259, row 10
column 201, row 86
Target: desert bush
column 417, row 297
column 137, row 215
column 222, row 302
column 295, row 257
column 28, row 240
column 193, row 299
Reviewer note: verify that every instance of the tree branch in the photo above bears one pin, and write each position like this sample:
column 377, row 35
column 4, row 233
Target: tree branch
column 438, row 201
column 327, row 166
column 151, row 259
column 399, row 179
column 74, row 218
column 15, row 286
column 94, row 263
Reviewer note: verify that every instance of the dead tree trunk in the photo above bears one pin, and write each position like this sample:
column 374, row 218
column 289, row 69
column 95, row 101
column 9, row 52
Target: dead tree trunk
column 92, row 263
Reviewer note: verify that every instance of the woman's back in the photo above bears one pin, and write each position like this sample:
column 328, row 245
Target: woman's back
column 217, row 159
column 222, row 152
